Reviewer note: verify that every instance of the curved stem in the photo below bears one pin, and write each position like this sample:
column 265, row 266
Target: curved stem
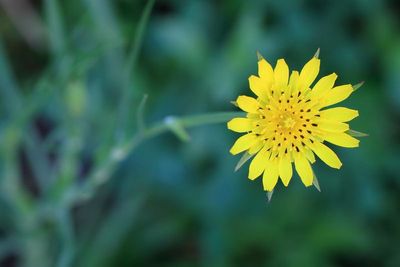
column 119, row 153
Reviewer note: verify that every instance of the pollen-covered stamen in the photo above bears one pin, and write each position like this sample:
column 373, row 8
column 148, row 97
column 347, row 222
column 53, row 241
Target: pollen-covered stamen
column 288, row 120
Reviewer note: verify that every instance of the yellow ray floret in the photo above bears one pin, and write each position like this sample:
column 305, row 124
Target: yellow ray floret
column 289, row 121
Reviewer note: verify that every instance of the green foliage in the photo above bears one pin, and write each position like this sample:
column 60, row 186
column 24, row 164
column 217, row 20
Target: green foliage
column 94, row 173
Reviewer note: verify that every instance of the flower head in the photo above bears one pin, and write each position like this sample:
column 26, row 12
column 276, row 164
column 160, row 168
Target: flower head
column 288, row 122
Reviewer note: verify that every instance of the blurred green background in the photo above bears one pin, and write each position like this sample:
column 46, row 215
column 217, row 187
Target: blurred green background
column 75, row 192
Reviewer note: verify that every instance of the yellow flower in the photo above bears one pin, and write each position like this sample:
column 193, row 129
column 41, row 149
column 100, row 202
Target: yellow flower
column 288, row 122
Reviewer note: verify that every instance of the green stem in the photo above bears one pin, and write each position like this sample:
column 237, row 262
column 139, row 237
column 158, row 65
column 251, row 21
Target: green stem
column 119, row 153
column 67, row 235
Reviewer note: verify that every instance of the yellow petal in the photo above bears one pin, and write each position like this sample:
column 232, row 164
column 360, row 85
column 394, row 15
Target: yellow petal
column 270, row 177
column 265, row 70
column 281, row 74
column 333, row 126
column 304, row 170
column 256, row 147
column 309, row 155
column 339, row 114
column 257, row 165
column 294, row 77
column 326, row 155
column 309, row 72
column 252, row 116
column 240, row 125
column 285, row 170
column 243, row 143
column 341, row 139
column 323, row 85
column 247, row 104
column 258, row 86
column 337, row 94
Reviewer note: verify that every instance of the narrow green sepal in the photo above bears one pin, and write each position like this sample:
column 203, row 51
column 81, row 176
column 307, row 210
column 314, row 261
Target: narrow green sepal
column 234, row 103
column 259, row 56
column 177, row 128
column 246, row 156
column 356, row 133
column 316, row 55
column 358, row 85
column 316, row 183
column 269, row 195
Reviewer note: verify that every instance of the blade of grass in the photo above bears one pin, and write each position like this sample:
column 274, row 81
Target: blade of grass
column 140, row 114
column 67, row 235
column 55, row 28
column 138, row 39
column 8, row 87
column 12, row 100
column 105, row 22
column 126, row 97
column 57, row 39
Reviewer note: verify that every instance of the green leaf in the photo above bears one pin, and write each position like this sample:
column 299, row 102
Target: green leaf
column 246, row 156
column 356, row 133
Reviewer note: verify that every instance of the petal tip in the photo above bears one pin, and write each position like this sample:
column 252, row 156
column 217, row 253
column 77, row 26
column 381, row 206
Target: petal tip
column 285, row 183
column 281, row 60
column 269, row 189
column 252, row 177
column 308, row 184
column 234, row 151
column 338, row 166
